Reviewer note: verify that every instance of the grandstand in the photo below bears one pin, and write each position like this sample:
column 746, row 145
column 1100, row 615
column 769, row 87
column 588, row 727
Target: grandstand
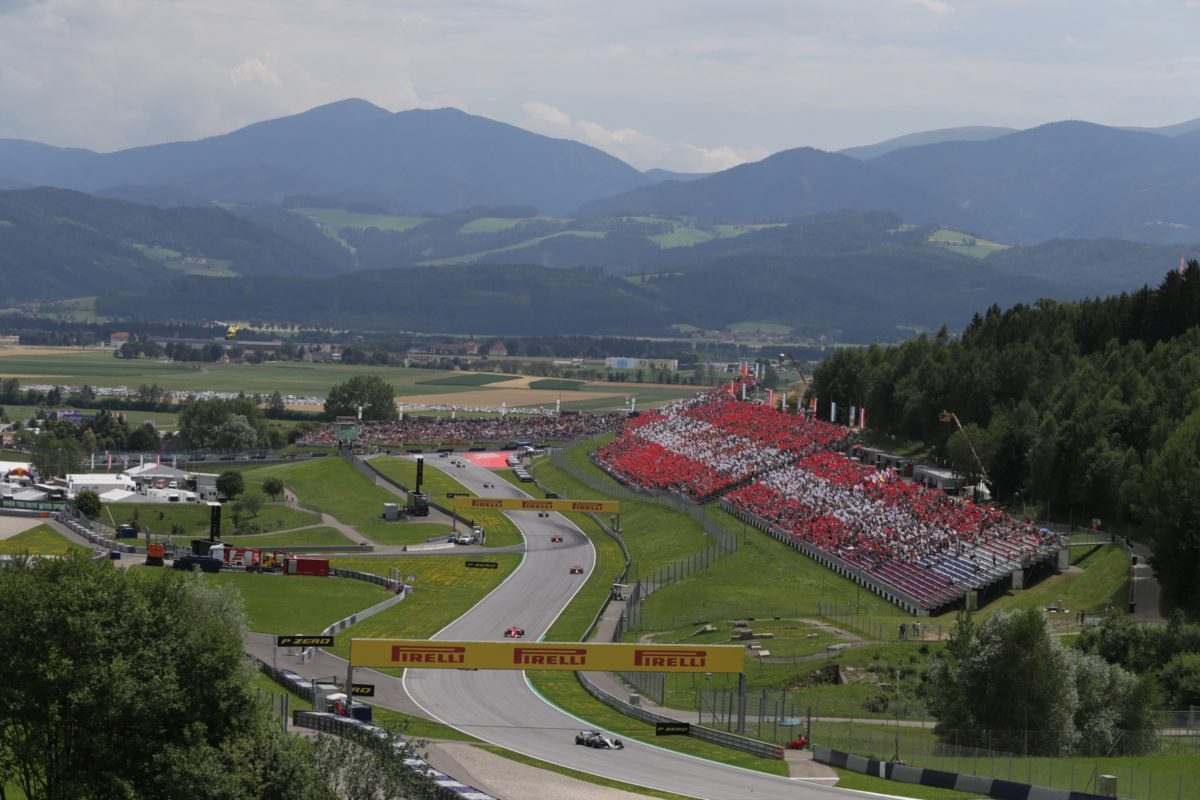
column 494, row 429
column 917, row 546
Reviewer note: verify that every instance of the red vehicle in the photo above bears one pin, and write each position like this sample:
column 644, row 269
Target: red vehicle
column 576, row 569
column 556, row 538
column 514, row 633
column 297, row 565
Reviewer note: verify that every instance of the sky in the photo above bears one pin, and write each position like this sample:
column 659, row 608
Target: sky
column 688, row 85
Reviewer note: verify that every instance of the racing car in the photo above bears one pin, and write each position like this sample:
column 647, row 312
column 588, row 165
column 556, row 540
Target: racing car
column 556, row 538
column 514, row 632
column 598, row 740
column 576, row 569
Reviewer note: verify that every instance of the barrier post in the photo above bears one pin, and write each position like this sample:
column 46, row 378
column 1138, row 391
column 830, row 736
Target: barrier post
column 741, row 722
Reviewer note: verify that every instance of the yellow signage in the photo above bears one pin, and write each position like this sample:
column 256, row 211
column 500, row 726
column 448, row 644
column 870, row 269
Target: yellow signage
column 419, row 653
column 515, row 504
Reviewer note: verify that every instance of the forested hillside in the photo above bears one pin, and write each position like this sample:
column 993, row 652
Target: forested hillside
column 56, row 244
column 1086, row 410
column 455, row 299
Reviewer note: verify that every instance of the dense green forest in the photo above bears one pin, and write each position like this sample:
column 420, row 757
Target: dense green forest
column 1086, row 410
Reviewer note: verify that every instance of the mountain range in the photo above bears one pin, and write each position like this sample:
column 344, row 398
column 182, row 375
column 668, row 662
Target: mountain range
column 350, row 215
column 1069, row 179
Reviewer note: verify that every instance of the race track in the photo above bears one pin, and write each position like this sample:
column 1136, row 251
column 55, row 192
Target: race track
column 501, row 708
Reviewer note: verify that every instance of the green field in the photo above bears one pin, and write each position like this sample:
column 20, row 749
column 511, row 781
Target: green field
column 76, row 367
column 337, row 218
column 564, row 690
column 561, row 384
column 685, row 235
column 965, row 243
column 465, row 379
column 443, row 590
column 278, row 603
column 318, row 536
column 491, row 224
column 336, row 488
column 463, row 259
column 100, row 368
column 760, row 327
column 501, row 532
column 193, row 518
column 41, row 540
column 164, row 421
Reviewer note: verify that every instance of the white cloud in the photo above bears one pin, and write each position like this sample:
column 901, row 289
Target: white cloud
column 696, row 84
column 936, row 6
column 253, row 70
column 639, row 149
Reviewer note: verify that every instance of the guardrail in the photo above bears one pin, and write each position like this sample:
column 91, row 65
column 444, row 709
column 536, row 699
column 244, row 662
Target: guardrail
column 436, row 785
column 731, row 740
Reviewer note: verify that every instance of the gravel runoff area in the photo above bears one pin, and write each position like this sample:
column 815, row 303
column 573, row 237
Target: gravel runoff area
column 512, row 779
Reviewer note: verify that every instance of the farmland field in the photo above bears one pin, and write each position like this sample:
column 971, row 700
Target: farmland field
column 337, row 218
column 74, row 367
column 465, row 379
column 463, row 259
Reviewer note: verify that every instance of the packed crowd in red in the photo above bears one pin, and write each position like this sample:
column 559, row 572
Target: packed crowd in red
column 708, row 443
column 931, row 545
column 784, row 469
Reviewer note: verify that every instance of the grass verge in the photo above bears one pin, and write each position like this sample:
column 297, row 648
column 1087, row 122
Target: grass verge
column 40, row 540
column 501, row 532
column 565, row 691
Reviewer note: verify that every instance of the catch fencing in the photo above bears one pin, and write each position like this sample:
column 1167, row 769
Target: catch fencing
column 711, row 735
column 722, row 542
column 1075, row 771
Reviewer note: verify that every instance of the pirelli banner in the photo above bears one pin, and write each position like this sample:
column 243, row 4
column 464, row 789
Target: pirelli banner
column 515, row 504
column 546, row 656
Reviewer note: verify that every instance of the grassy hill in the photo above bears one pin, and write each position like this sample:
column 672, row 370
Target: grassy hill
column 77, row 244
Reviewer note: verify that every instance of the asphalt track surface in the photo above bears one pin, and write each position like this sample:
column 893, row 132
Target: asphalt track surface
column 500, row 707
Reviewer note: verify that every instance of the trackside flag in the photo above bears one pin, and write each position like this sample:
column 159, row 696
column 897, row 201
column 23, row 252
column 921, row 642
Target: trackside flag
column 853, row 416
column 862, row 417
column 832, row 411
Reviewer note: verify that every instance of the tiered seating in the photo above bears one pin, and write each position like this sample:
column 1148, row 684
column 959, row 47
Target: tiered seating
column 929, row 546
column 710, row 443
column 781, row 467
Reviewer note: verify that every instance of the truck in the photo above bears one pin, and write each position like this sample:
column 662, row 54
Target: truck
column 304, row 565
column 251, row 559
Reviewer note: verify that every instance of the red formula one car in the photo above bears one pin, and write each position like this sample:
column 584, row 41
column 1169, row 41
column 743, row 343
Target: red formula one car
column 576, row 569
column 556, row 538
column 514, row 633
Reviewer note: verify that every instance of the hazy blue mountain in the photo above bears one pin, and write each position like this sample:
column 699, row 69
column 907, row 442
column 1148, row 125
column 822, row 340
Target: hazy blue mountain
column 1078, row 268
column 783, row 186
column 975, row 133
column 411, row 161
column 660, row 175
column 1178, row 129
column 455, row 299
column 1064, row 180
